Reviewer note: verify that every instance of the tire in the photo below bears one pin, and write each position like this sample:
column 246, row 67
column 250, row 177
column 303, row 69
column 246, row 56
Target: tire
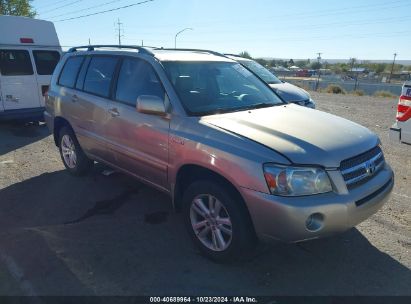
column 206, row 230
column 74, row 159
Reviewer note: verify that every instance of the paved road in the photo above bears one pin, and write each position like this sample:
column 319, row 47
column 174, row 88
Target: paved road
column 110, row 235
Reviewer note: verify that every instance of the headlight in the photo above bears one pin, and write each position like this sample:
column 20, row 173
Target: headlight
column 312, row 103
column 296, row 181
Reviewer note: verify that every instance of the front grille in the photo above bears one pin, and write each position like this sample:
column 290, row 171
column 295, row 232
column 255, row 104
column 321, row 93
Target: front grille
column 359, row 169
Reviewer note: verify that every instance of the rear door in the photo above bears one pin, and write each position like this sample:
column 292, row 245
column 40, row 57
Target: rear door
column 93, row 90
column 45, row 61
column 18, row 82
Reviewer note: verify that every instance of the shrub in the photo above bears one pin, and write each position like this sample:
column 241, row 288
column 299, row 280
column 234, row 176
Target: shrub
column 358, row 93
column 335, row 89
column 385, row 94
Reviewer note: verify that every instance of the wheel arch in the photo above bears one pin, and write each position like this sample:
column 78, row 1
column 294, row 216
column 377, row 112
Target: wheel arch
column 189, row 173
column 59, row 122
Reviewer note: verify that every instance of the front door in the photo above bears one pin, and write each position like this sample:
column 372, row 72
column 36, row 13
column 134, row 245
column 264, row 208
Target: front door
column 139, row 142
column 18, row 81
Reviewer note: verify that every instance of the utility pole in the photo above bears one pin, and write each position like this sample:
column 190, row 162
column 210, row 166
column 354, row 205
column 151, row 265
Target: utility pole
column 119, row 31
column 392, row 68
column 353, row 61
column 319, row 71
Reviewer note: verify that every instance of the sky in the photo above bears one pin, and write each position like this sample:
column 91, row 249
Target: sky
column 297, row 29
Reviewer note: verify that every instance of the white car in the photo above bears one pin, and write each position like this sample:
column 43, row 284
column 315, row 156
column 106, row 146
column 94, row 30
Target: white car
column 29, row 52
column 401, row 130
column 287, row 91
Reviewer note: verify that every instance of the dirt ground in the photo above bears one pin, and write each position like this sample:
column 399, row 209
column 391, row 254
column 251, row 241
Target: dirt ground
column 111, row 235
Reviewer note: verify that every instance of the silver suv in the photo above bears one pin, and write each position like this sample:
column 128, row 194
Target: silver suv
column 240, row 163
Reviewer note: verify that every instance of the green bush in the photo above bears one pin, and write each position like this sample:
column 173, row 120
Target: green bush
column 335, row 89
column 385, row 94
column 358, row 93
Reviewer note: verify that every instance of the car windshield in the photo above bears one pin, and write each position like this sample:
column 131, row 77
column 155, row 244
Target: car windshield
column 208, row 88
column 260, row 71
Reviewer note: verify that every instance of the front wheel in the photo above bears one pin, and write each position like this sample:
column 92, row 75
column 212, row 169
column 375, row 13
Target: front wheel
column 217, row 221
column 74, row 159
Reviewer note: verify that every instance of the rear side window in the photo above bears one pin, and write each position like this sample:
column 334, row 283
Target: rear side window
column 99, row 74
column 136, row 78
column 46, row 61
column 15, row 63
column 70, row 70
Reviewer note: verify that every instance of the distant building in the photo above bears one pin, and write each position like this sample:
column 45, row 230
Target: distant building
column 359, row 70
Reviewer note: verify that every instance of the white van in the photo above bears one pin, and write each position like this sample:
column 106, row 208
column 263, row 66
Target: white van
column 29, row 52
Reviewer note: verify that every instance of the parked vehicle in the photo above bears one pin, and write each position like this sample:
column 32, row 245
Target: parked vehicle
column 287, row 91
column 239, row 162
column 401, row 130
column 303, row 73
column 29, row 52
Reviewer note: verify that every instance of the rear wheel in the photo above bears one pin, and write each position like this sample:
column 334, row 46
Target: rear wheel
column 217, row 221
column 74, row 159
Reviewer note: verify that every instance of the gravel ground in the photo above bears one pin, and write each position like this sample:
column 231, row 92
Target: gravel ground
column 110, row 235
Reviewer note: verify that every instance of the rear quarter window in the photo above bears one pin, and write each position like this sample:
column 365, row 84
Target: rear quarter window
column 70, row 70
column 46, row 61
column 15, row 63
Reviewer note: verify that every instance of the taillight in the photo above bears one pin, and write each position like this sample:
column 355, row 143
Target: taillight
column 44, row 90
column 26, row 40
column 404, row 108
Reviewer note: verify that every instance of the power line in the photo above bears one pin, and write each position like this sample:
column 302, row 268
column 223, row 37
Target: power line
column 106, row 11
column 52, row 4
column 85, row 9
column 351, row 9
column 65, row 5
column 304, row 15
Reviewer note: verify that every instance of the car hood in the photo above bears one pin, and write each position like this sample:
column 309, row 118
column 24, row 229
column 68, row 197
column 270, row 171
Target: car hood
column 290, row 92
column 304, row 136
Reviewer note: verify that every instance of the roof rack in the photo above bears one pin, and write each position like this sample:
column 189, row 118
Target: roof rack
column 89, row 48
column 236, row 55
column 191, row 50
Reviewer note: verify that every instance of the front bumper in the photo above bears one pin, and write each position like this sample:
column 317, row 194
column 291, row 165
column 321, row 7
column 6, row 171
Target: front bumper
column 287, row 218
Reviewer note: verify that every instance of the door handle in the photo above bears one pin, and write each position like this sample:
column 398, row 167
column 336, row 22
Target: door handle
column 74, row 98
column 114, row 112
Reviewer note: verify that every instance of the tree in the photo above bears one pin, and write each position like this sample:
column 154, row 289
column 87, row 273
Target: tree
column 316, row 65
column 301, row 63
column 262, row 61
column 17, row 8
column 291, row 62
column 245, row 54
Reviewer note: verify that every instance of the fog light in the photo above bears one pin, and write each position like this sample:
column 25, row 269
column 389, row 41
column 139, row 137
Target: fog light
column 315, row 222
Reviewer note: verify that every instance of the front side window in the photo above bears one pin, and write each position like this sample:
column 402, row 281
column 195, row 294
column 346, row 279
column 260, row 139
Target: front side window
column 137, row 78
column 46, row 61
column 99, row 74
column 15, row 63
column 217, row 87
column 70, row 70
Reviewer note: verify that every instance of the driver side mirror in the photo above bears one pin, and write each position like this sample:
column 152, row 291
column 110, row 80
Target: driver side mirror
column 150, row 104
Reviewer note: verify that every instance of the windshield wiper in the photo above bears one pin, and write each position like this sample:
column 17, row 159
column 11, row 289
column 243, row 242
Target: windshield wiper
column 230, row 110
column 256, row 106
